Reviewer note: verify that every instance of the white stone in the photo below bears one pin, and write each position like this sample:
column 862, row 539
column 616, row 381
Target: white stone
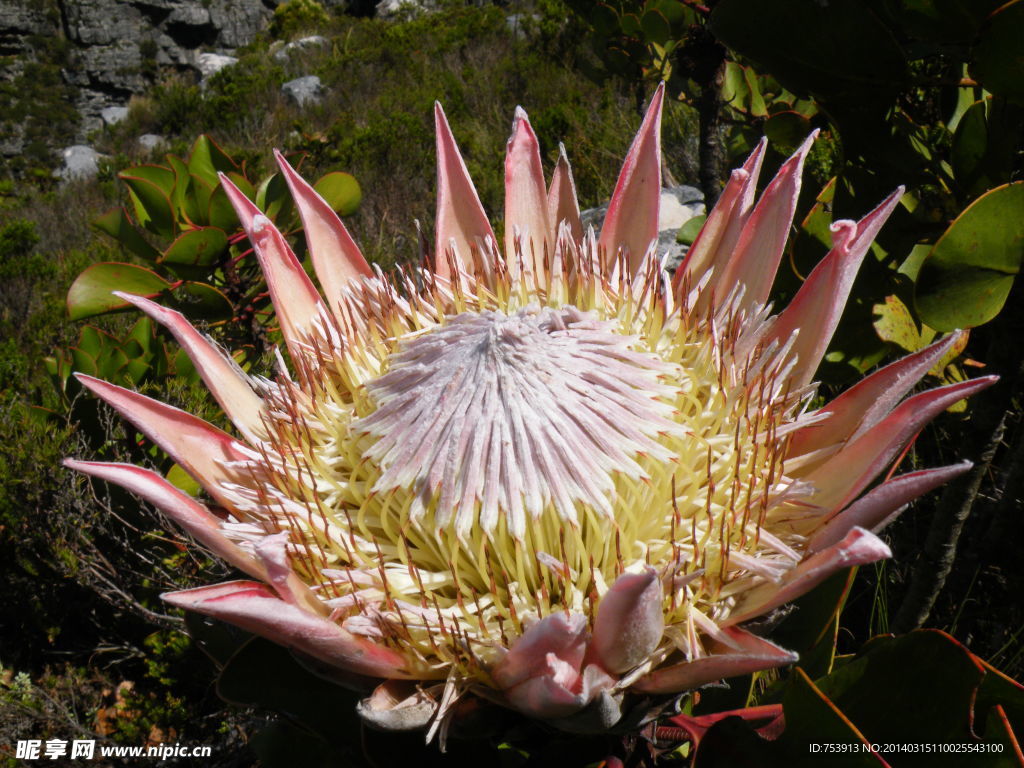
column 303, row 91
column 296, row 46
column 80, row 162
column 151, row 141
column 211, row 63
column 390, row 8
column 113, row 115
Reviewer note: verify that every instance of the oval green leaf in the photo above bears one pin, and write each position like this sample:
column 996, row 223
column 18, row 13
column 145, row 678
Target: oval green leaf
column 92, row 292
column 341, row 191
column 202, row 302
column 162, row 178
column 998, row 56
column 966, row 278
column 200, row 246
column 183, row 481
column 152, row 205
column 206, row 159
column 116, row 223
column 220, row 212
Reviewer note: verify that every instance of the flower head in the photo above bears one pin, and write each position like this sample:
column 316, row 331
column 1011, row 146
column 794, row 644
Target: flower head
column 543, row 470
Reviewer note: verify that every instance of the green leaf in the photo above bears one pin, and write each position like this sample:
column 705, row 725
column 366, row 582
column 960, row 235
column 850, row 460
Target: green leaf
column 274, row 199
column 835, row 50
column 206, row 159
column 90, row 341
column 341, row 191
column 183, row 197
column 786, row 130
column 943, row 21
column 111, row 365
column 201, row 191
column 182, row 480
column 892, row 693
column 677, row 14
column 690, row 229
column 243, row 184
column 83, row 362
column 998, row 56
column 116, row 223
column 91, row 293
column 202, row 301
column 603, row 19
column 757, row 106
column 142, row 334
column 157, row 175
column 984, row 145
column 812, row 717
column 631, row 25
column 203, row 245
column 220, row 212
column 896, row 325
column 152, row 205
column 184, row 368
column 656, row 27
column 966, row 278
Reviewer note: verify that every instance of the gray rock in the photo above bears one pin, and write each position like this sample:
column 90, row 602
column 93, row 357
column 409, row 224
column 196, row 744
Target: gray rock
column 113, row 45
column 80, row 162
column 284, row 53
column 389, row 8
column 677, row 206
column 151, row 141
column 303, row 91
column 210, row 64
column 113, row 115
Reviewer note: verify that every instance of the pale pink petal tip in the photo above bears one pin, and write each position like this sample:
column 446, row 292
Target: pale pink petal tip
column 295, row 298
column 253, row 607
column 630, row 621
column 631, row 223
column 192, row 516
column 876, row 508
column 200, row 448
column 225, row 380
column 461, row 218
column 526, row 205
column 746, row 653
column 336, row 258
column 858, row 547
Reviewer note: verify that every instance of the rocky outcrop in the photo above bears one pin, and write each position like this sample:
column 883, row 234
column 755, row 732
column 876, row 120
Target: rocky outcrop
column 108, row 50
column 117, row 42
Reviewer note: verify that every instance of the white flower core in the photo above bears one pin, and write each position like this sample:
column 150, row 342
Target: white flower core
column 513, row 413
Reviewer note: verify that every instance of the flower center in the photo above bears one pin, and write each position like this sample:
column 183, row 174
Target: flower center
column 494, row 415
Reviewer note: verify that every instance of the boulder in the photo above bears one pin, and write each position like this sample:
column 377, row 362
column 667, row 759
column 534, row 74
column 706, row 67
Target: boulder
column 113, row 115
column 210, row 64
column 80, row 162
column 151, row 142
column 303, row 91
column 285, row 52
column 389, row 8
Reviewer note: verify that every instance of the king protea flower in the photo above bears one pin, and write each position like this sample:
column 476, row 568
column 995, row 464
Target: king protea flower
column 541, row 471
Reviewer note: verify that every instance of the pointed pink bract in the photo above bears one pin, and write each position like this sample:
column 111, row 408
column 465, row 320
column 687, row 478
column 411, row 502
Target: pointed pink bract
column 631, row 223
